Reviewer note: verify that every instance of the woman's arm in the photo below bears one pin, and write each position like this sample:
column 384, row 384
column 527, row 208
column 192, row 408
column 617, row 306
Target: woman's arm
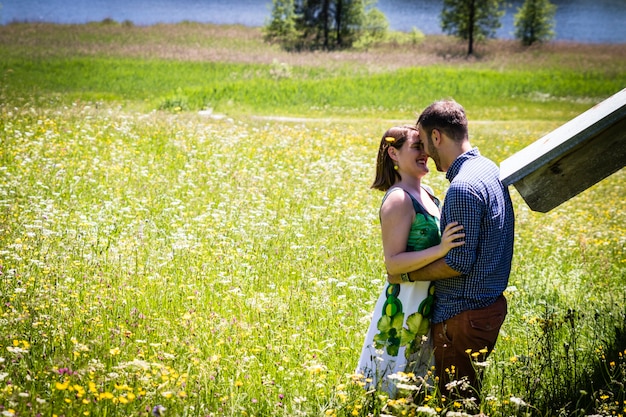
column 432, row 272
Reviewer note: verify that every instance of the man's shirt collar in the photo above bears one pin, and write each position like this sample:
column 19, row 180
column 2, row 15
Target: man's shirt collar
column 458, row 162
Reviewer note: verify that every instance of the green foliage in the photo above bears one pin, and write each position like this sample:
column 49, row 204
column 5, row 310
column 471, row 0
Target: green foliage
column 176, row 103
column 282, row 27
column 471, row 20
column 326, row 24
column 414, row 37
column 569, row 372
column 280, row 70
column 534, row 21
column 374, row 30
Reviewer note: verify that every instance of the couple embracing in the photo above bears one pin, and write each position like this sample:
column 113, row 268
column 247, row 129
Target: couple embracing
column 447, row 265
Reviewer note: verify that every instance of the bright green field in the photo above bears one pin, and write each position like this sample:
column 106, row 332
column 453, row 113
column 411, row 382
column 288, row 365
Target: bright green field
column 228, row 266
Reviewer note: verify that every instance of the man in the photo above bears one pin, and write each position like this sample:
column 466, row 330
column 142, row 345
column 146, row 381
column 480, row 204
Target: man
column 470, row 280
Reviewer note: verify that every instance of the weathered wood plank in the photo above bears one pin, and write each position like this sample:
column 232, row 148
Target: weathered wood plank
column 571, row 158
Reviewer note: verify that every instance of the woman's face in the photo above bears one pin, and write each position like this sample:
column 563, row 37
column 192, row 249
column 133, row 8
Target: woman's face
column 412, row 158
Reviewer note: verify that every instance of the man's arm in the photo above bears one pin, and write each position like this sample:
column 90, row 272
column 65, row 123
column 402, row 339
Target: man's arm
column 431, row 272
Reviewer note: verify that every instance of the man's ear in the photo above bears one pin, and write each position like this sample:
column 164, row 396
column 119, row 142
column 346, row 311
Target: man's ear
column 436, row 136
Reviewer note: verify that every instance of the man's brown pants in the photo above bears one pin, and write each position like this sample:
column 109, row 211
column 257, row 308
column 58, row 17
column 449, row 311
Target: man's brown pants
column 463, row 340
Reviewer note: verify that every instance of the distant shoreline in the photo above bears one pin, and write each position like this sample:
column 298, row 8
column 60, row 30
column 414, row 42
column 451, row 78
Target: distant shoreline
column 128, row 23
column 586, row 21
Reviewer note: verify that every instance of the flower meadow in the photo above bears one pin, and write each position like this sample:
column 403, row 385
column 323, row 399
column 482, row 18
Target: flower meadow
column 170, row 264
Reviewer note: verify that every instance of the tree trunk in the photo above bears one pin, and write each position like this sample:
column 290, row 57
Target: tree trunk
column 338, row 19
column 470, row 27
column 325, row 21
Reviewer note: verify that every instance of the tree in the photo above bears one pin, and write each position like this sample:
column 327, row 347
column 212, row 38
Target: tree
column 314, row 21
column 282, row 27
column 323, row 24
column 374, row 29
column 471, row 20
column 534, row 21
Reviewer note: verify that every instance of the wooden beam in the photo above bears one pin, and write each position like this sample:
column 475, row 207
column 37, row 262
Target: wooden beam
column 571, row 158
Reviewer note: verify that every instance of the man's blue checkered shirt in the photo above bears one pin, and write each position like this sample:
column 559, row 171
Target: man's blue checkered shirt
column 482, row 204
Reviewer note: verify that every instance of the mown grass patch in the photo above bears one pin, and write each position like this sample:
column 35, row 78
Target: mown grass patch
column 237, row 89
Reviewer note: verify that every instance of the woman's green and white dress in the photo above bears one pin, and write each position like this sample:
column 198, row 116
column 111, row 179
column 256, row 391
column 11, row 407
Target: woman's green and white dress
column 397, row 339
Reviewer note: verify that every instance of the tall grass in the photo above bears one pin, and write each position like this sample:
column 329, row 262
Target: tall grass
column 228, row 267
column 161, row 262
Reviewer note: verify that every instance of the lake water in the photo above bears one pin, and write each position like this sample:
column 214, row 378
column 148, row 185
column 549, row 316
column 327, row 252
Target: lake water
column 593, row 21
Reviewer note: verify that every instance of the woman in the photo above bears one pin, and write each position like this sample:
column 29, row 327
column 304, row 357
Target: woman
column 397, row 339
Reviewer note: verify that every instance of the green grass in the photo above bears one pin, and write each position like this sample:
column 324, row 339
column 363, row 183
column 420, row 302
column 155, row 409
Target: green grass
column 193, row 67
column 229, row 267
column 252, row 89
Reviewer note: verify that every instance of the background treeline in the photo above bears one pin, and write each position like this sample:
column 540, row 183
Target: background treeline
column 339, row 24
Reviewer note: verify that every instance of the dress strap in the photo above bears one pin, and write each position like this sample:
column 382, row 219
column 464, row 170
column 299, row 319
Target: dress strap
column 416, row 205
column 431, row 193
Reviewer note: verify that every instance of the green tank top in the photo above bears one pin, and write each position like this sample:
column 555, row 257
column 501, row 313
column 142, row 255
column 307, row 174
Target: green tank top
column 424, row 231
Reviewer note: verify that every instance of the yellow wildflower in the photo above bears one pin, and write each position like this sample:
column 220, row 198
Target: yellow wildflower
column 105, row 396
column 62, row 386
column 92, row 387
